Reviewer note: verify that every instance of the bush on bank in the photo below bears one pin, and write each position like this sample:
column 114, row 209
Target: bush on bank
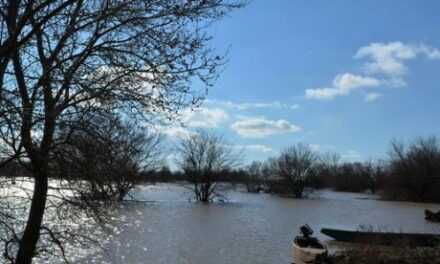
column 374, row 255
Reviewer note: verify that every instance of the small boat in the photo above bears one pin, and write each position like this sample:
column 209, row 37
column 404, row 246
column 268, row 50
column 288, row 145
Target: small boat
column 383, row 238
column 308, row 249
column 432, row 216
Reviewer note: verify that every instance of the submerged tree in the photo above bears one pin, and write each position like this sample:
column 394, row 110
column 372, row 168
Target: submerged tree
column 254, row 181
column 202, row 157
column 63, row 59
column 294, row 167
column 105, row 156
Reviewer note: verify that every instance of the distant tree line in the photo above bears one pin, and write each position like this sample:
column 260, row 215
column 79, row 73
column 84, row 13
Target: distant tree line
column 127, row 157
column 411, row 172
column 165, row 174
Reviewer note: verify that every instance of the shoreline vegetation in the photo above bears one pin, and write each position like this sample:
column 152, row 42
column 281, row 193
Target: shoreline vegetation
column 411, row 173
column 378, row 255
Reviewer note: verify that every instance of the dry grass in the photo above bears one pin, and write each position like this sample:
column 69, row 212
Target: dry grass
column 376, row 255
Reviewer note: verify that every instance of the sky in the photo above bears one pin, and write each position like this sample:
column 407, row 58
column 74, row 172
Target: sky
column 340, row 76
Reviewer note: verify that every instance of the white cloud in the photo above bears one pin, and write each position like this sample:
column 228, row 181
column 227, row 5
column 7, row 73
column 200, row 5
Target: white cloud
column 253, row 105
column 321, row 148
column 174, row 131
column 343, row 84
column 389, row 58
column 371, row 97
column 430, row 52
column 351, row 155
column 394, row 82
column 204, row 117
column 295, row 106
column 259, row 127
column 322, row 93
column 384, row 59
column 348, row 81
column 189, row 119
column 315, row 147
column 253, row 147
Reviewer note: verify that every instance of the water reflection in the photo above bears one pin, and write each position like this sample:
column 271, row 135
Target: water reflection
column 251, row 228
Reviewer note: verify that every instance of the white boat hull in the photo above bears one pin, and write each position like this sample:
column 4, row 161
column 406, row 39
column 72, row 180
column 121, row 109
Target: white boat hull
column 307, row 255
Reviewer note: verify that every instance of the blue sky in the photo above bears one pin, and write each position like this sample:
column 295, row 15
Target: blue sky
column 342, row 76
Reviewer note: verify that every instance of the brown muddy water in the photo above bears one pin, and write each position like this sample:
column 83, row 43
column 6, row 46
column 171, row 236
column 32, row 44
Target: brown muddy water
column 249, row 228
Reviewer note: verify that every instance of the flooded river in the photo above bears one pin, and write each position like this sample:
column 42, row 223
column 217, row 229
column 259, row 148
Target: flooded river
column 250, row 228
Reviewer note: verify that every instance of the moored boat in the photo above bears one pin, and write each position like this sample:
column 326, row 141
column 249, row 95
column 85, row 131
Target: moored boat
column 432, row 216
column 383, row 238
column 307, row 249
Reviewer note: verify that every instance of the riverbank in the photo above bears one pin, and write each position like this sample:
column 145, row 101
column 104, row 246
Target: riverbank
column 374, row 255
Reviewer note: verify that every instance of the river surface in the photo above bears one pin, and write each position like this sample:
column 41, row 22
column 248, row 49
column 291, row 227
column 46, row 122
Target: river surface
column 249, row 228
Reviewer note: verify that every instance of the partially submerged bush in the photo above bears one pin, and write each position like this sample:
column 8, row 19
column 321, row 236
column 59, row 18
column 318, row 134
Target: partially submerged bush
column 414, row 171
column 254, row 179
column 104, row 157
column 293, row 169
column 202, row 157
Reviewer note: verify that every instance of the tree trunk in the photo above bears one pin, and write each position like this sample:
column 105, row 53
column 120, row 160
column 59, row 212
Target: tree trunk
column 298, row 189
column 32, row 231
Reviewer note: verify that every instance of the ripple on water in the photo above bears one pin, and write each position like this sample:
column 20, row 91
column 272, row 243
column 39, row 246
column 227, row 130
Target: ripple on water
column 250, row 228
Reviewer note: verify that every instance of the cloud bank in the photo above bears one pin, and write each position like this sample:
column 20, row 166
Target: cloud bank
column 260, row 127
column 253, row 105
column 371, row 97
column 204, row 117
column 343, row 84
column 384, row 64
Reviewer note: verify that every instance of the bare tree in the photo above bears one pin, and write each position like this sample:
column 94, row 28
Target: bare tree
column 294, row 166
column 254, row 181
column 374, row 172
column 202, row 157
column 330, row 161
column 414, row 170
column 60, row 59
column 326, row 170
column 106, row 156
